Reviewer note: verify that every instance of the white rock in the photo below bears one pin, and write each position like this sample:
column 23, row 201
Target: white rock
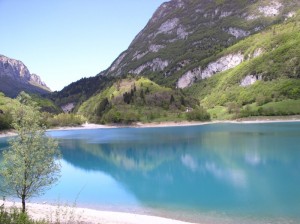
column 291, row 14
column 257, row 52
column 238, row 33
column 138, row 55
column 181, row 33
column 222, row 64
column 252, row 17
column 225, row 14
column 156, row 64
column 270, row 10
column 250, row 80
column 168, row 26
column 189, row 78
column 68, row 107
column 155, row 47
column 117, row 62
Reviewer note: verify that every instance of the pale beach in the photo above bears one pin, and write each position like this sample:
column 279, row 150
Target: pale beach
column 86, row 216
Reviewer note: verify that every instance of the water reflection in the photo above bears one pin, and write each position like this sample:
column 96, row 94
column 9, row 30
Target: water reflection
column 239, row 170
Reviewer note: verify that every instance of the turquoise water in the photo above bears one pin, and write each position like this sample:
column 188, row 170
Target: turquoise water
column 218, row 173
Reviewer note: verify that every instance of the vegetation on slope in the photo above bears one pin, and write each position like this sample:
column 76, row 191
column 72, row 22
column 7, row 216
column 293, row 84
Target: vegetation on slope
column 278, row 66
column 205, row 26
column 139, row 99
column 5, row 115
column 79, row 91
column 52, row 114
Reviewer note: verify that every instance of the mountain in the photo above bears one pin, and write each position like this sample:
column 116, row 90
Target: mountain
column 184, row 35
column 15, row 77
column 237, row 58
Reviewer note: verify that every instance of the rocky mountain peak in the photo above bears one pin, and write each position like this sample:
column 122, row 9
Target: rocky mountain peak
column 16, row 77
column 183, row 34
column 13, row 68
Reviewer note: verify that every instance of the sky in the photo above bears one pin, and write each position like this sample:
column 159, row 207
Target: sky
column 65, row 40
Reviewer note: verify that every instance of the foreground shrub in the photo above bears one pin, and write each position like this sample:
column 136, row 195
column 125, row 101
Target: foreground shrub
column 198, row 114
column 13, row 215
column 65, row 120
column 5, row 121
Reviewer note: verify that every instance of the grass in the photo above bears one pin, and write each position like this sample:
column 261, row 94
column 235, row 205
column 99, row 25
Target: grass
column 285, row 107
column 220, row 113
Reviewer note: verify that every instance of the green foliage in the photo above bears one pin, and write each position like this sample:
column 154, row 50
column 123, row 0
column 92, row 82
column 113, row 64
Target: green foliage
column 120, row 115
column 63, row 120
column 80, row 91
column 280, row 108
column 15, row 216
column 220, row 113
column 5, row 111
column 278, row 66
column 29, row 166
column 198, row 114
column 136, row 99
column 46, row 105
column 5, row 121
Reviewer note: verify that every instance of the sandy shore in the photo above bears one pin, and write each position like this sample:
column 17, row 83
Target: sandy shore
column 7, row 134
column 88, row 126
column 174, row 124
column 65, row 214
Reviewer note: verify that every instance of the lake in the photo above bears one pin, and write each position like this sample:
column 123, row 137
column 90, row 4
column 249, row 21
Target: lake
column 216, row 173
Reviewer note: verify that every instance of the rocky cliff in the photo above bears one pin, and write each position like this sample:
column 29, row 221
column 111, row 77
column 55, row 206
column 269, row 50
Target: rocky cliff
column 15, row 77
column 178, row 45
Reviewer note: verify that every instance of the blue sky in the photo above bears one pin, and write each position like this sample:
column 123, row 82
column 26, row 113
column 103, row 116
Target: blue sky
column 65, row 40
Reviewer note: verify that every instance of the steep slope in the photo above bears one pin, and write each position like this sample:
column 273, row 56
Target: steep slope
column 268, row 72
column 15, row 77
column 183, row 34
column 70, row 97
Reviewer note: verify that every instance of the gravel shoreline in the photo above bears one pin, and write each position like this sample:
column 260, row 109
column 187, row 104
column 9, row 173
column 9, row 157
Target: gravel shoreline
column 75, row 215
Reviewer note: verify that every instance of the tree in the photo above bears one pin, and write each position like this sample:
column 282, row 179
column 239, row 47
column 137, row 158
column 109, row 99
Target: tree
column 30, row 165
column 172, row 99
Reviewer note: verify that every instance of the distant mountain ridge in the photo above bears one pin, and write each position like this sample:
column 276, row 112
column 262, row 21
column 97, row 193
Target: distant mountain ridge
column 15, row 77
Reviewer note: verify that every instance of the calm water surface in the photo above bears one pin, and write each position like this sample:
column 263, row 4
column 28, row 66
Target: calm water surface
column 219, row 173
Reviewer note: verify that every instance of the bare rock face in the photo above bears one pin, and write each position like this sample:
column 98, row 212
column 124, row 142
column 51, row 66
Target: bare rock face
column 271, row 9
column 35, row 79
column 117, row 62
column 155, row 48
column 13, row 68
column 15, row 77
column 194, row 31
column 222, row 64
column 67, row 108
column 156, row 64
column 238, row 33
column 250, row 80
column 168, row 26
